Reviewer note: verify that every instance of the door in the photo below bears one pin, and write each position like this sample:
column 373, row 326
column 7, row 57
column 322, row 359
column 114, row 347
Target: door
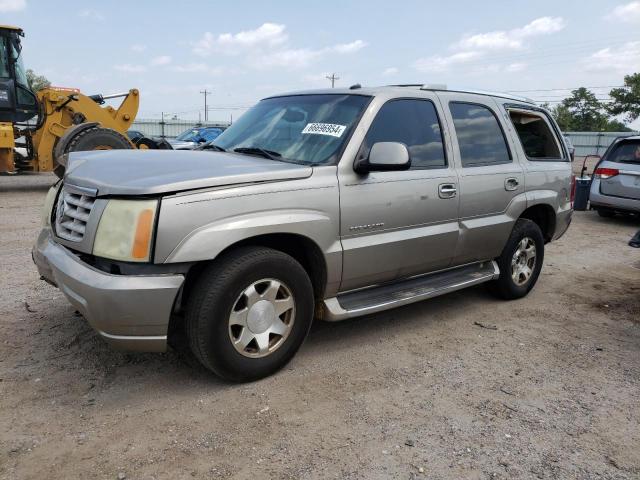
column 399, row 224
column 489, row 175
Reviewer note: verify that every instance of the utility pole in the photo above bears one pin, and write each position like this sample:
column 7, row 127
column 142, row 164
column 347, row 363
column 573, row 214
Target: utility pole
column 333, row 79
column 206, row 113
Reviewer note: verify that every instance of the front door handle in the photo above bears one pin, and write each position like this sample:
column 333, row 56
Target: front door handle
column 511, row 184
column 447, row 190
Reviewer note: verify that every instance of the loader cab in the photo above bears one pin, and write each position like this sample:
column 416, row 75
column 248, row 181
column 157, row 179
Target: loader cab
column 17, row 102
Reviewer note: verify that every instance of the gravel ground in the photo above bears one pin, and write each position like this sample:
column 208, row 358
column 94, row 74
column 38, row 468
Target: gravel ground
column 419, row 392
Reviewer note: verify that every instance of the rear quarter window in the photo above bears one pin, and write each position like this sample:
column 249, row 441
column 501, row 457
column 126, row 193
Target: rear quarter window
column 537, row 138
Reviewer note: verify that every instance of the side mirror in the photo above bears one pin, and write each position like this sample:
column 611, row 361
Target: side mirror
column 385, row 157
column 201, row 140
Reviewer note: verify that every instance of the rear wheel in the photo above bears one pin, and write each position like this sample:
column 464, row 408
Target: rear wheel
column 521, row 261
column 249, row 313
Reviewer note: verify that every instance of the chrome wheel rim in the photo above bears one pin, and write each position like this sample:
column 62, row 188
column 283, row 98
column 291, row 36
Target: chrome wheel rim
column 523, row 261
column 261, row 318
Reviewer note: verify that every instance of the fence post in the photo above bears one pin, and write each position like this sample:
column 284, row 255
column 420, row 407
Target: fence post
column 162, row 126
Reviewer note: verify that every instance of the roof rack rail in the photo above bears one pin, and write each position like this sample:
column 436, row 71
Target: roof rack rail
column 422, row 86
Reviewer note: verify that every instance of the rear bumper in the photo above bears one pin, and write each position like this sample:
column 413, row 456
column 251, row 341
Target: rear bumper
column 131, row 312
column 597, row 199
column 563, row 220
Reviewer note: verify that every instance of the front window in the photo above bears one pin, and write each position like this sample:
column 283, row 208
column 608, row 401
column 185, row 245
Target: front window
column 414, row 123
column 307, row 129
column 190, row 136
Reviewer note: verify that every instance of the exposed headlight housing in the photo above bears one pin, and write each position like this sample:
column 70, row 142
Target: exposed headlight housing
column 49, row 200
column 125, row 230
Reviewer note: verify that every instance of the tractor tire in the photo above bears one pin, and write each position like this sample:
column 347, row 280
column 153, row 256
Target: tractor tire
column 98, row 138
column 86, row 139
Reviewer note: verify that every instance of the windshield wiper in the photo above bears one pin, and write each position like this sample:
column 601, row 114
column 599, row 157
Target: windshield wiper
column 270, row 154
column 211, row 146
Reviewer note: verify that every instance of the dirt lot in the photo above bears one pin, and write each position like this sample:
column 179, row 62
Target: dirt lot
column 420, row 392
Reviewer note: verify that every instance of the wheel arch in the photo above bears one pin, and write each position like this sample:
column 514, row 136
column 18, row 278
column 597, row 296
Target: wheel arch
column 303, row 249
column 544, row 216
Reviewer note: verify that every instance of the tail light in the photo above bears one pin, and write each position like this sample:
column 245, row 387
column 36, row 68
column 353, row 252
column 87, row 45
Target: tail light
column 604, row 173
column 573, row 189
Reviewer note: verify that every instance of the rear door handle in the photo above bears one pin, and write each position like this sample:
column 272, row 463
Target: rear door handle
column 511, row 184
column 447, row 190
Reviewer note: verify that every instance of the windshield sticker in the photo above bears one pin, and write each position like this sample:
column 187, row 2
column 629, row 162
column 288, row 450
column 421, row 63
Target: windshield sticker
column 324, row 129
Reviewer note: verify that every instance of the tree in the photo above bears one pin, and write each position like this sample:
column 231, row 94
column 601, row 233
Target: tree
column 563, row 116
column 626, row 100
column 37, row 82
column 583, row 112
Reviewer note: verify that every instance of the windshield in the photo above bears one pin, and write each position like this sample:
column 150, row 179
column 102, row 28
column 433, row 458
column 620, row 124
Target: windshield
column 199, row 135
column 21, row 74
column 10, row 53
column 308, row 129
column 626, row 152
column 4, row 58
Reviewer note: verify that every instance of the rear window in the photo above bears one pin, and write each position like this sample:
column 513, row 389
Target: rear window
column 480, row 136
column 625, row 152
column 536, row 137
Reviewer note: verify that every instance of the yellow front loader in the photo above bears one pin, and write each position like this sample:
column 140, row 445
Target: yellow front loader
column 37, row 129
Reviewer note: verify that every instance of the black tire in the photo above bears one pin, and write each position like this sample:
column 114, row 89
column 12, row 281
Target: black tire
column 144, row 143
column 86, row 139
column 505, row 286
column 214, row 296
column 98, row 138
column 604, row 213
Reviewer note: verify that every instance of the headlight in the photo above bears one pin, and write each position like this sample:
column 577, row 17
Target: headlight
column 49, row 200
column 125, row 230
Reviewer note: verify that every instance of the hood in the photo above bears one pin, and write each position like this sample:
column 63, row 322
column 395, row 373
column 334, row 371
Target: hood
column 148, row 172
column 179, row 144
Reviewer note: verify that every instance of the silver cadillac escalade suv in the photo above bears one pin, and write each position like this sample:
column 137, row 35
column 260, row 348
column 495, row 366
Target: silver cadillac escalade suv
column 325, row 204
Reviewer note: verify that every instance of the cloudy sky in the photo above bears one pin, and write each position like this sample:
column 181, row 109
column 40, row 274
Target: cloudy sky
column 243, row 51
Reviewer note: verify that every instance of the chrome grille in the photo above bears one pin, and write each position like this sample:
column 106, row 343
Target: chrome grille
column 72, row 214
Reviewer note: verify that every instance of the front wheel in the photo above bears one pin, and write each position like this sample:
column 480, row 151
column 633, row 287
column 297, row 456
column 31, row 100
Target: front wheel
column 249, row 313
column 521, row 261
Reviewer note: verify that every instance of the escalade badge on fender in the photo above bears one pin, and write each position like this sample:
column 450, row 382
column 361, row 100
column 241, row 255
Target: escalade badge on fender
column 370, row 226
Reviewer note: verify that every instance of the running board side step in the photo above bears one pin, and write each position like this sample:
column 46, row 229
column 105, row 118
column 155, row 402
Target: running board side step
column 385, row 297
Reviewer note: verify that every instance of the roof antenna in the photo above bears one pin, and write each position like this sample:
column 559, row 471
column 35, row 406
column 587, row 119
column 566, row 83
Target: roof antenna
column 355, row 86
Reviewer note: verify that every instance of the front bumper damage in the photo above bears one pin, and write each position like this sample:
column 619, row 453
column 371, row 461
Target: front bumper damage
column 131, row 312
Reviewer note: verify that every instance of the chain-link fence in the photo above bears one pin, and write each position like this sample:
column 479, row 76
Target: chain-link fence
column 594, row 143
column 170, row 128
